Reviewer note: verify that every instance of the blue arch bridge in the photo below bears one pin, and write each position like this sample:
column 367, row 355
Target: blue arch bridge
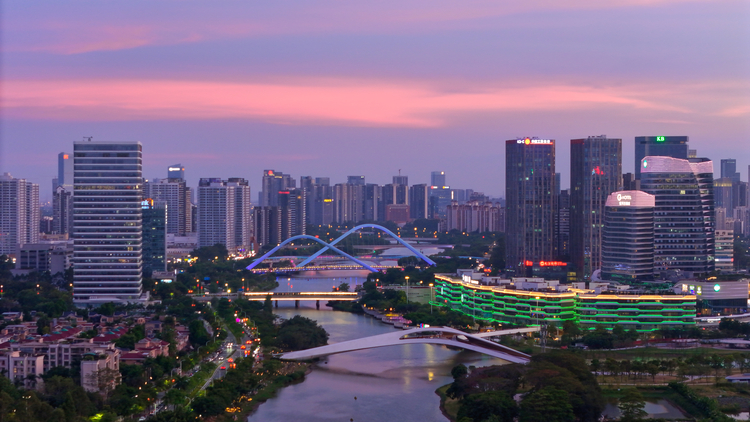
column 358, row 263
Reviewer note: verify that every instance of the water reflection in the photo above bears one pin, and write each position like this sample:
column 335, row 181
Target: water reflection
column 390, row 383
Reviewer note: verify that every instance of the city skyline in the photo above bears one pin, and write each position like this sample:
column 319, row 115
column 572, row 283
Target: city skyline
column 232, row 89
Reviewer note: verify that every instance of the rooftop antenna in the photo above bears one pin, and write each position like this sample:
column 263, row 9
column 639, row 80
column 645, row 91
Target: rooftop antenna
column 399, row 172
column 88, row 138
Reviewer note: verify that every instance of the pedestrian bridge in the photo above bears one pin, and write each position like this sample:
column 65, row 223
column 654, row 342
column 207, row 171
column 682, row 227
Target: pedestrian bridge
column 429, row 335
column 346, row 296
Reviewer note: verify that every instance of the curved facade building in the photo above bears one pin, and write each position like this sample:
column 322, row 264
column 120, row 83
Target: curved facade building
column 683, row 214
column 628, row 236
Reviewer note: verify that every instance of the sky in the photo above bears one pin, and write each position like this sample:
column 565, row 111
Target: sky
column 335, row 88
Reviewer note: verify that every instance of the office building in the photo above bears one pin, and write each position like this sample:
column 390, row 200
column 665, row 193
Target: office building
column 562, row 224
column 729, row 169
column 107, row 222
column 419, row 201
column 19, row 213
column 628, row 237
column 154, row 236
column 595, row 172
column 175, row 193
column 401, row 180
column 356, row 180
column 54, row 257
column 723, row 192
column 176, row 171
column 440, row 195
column 725, row 250
column 321, row 208
column 665, row 146
column 274, row 182
column 684, row 212
column 530, row 206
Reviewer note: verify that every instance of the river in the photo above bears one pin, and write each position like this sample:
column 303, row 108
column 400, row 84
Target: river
column 394, row 383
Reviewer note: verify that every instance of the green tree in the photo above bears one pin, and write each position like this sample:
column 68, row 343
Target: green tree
column 482, row 406
column 631, row 405
column 548, row 404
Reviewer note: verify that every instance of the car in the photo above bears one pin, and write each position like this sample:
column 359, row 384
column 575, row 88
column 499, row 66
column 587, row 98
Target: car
column 223, row 368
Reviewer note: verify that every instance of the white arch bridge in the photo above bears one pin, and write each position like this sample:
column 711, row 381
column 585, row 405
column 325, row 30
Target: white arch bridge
column 430, row 335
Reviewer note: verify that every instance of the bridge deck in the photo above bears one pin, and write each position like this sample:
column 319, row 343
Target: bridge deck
column 432, row 335
column 345, row 296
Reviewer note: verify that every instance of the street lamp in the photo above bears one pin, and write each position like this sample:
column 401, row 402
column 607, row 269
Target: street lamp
column 432, row 296
column 407, row 289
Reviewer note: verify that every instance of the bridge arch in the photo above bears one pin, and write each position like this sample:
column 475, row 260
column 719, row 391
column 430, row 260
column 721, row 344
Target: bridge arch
column 362, row 226
column 304, row 236
column 446, row 337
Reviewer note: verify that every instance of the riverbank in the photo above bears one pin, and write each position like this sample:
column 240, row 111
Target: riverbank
column 448, row 406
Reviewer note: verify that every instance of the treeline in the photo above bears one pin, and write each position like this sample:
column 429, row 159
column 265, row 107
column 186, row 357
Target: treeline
column 558, row 387
column 697, row 365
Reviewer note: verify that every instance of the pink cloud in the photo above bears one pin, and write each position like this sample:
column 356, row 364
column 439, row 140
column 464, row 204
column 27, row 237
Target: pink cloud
column 316, row 101
column 73, row 31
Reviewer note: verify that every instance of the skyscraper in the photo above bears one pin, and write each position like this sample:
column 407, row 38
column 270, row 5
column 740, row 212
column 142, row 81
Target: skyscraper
column 355, row 180
column 274, row 182
column 19, row 213
column 62, row 195
column 729, row 169
column 665, row 146
column 176, row 171
column 595, row 172
column 628, row 237
column 154, row 236
column 418, row 201
column 175, row 193
column 530, row 202
column 684, row 212
column 437, row 178
column 107, row 222
column 401, row 180
column 224, row 213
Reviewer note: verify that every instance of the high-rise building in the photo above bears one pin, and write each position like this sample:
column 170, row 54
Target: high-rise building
column 725, row 250
column 729, row 169
column 62, row 195
column 628, row 237
column 418, row 201
column 723, row 193
column 176, row 171
column 216, row 213
column 595, row 172
column 665, row 146
column 175, row 193
column 243, row 213
column 401, row 180
column 273, row 225
column 684, row 212
column 373, row 205
column 225, row 213
column 437, row 178
column 441, row 195
column 475, row 216
column 107, row 222
column 530, row 206
column 629, row 182
column 356, row 180
column 19, row 213
column 273, row 183
column 154, row 236
column 562, row 223
column 348, row 202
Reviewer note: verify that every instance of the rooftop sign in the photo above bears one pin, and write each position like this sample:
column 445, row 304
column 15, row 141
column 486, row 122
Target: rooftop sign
column 530, row 141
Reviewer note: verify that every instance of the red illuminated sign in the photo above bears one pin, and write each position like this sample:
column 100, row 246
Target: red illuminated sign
column 547, row 264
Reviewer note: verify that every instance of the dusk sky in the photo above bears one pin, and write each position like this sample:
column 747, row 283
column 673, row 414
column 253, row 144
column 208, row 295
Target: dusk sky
column 337, row 88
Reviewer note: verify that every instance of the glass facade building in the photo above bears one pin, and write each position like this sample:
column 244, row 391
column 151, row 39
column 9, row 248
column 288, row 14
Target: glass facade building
column 595, row 172
column 531, row 205
column 684, row 220
column 666, row 146
column 628, row 237
column 155, row 217
column 107, row 222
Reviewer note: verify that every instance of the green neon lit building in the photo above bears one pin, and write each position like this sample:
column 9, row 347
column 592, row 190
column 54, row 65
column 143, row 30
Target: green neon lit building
column 507, row 303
